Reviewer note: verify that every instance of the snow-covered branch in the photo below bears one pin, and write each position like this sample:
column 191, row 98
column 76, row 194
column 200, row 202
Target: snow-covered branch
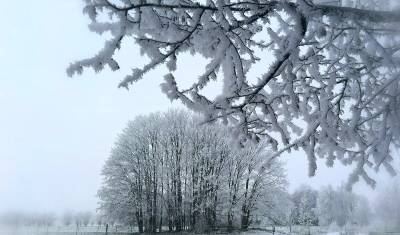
column 328, row 85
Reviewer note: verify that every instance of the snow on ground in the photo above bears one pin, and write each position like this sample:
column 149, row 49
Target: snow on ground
column 94, row 230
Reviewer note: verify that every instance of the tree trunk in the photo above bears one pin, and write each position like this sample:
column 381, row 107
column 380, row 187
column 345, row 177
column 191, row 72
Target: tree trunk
column 245, row 218
column 139, row 219
column 178, row 219
column 154, row 204
column 230, row 220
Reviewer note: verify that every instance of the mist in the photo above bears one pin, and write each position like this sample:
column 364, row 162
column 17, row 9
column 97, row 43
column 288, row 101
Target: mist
column 58, row 134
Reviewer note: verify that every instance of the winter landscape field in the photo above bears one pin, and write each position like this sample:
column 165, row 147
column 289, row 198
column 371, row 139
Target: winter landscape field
column 200, row 117
column 95, row 230
column 125, row 231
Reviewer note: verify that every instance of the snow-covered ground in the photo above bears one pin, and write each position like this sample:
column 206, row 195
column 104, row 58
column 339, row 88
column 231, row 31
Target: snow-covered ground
column 94, row 230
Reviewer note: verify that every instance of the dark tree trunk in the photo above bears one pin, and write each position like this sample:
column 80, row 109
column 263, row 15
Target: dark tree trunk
column 139, row 219
column 178, row 206
column 154, row 204
column 230, row 221
column 245, row 218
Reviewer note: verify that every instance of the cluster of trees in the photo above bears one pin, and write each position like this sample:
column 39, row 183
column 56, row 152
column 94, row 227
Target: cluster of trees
column 329, row 206
column 166, row 170
column 78, row 219
column 18, row 219
column 342, row 207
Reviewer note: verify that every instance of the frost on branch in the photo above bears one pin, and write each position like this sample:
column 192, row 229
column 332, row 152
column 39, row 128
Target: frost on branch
column 330, row 87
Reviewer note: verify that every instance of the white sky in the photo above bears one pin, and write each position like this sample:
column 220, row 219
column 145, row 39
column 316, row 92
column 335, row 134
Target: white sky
column 56, row 131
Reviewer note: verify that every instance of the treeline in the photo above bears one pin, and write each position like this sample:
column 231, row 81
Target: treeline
column 329, row 206
column 17, row 219
column 78, row 219
column 166, row 170
column 21, row 219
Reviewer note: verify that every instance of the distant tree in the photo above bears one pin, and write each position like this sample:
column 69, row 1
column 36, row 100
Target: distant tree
column 45, row 219
column 342, row 207
column 86, row 217
column 11, row 218
column 362, row 212
column 326, row 205
column 99, row 220
column 279, row 208
column 78, row 219
column 306, row 213
column 17, row 219
column 50, row 219
column 305, row 204
column 387, row 206
column 334, row 65
column 67, row 218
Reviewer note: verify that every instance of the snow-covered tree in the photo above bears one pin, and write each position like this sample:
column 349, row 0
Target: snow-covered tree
column 362, row 212
column 45, row 219
column 342, row 207
column 86, row 217
column 322, row 76
column 278, row 208
column 387, row 206
column 305, row 204
column 16, row 219
column 306, row 213
column 326, row 205
column 260, row 185
column 67, row 218
column 167, row 171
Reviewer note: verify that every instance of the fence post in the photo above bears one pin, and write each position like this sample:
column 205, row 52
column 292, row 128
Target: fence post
column 106, row 229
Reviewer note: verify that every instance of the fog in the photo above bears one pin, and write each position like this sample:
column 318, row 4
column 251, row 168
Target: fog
column 57, row 132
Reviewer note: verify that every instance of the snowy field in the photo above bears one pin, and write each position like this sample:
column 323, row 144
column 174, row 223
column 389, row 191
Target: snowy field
column 95, row 230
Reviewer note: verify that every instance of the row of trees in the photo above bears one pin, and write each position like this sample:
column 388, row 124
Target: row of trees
column 342, row 207
column 17, row 219
column 329, row 206
column 165, row 170
column 79, row 219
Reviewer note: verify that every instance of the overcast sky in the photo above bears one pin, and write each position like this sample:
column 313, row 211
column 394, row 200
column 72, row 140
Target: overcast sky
column 56, row 131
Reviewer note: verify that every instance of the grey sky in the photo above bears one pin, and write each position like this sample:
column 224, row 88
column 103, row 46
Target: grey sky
column 56, row 132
